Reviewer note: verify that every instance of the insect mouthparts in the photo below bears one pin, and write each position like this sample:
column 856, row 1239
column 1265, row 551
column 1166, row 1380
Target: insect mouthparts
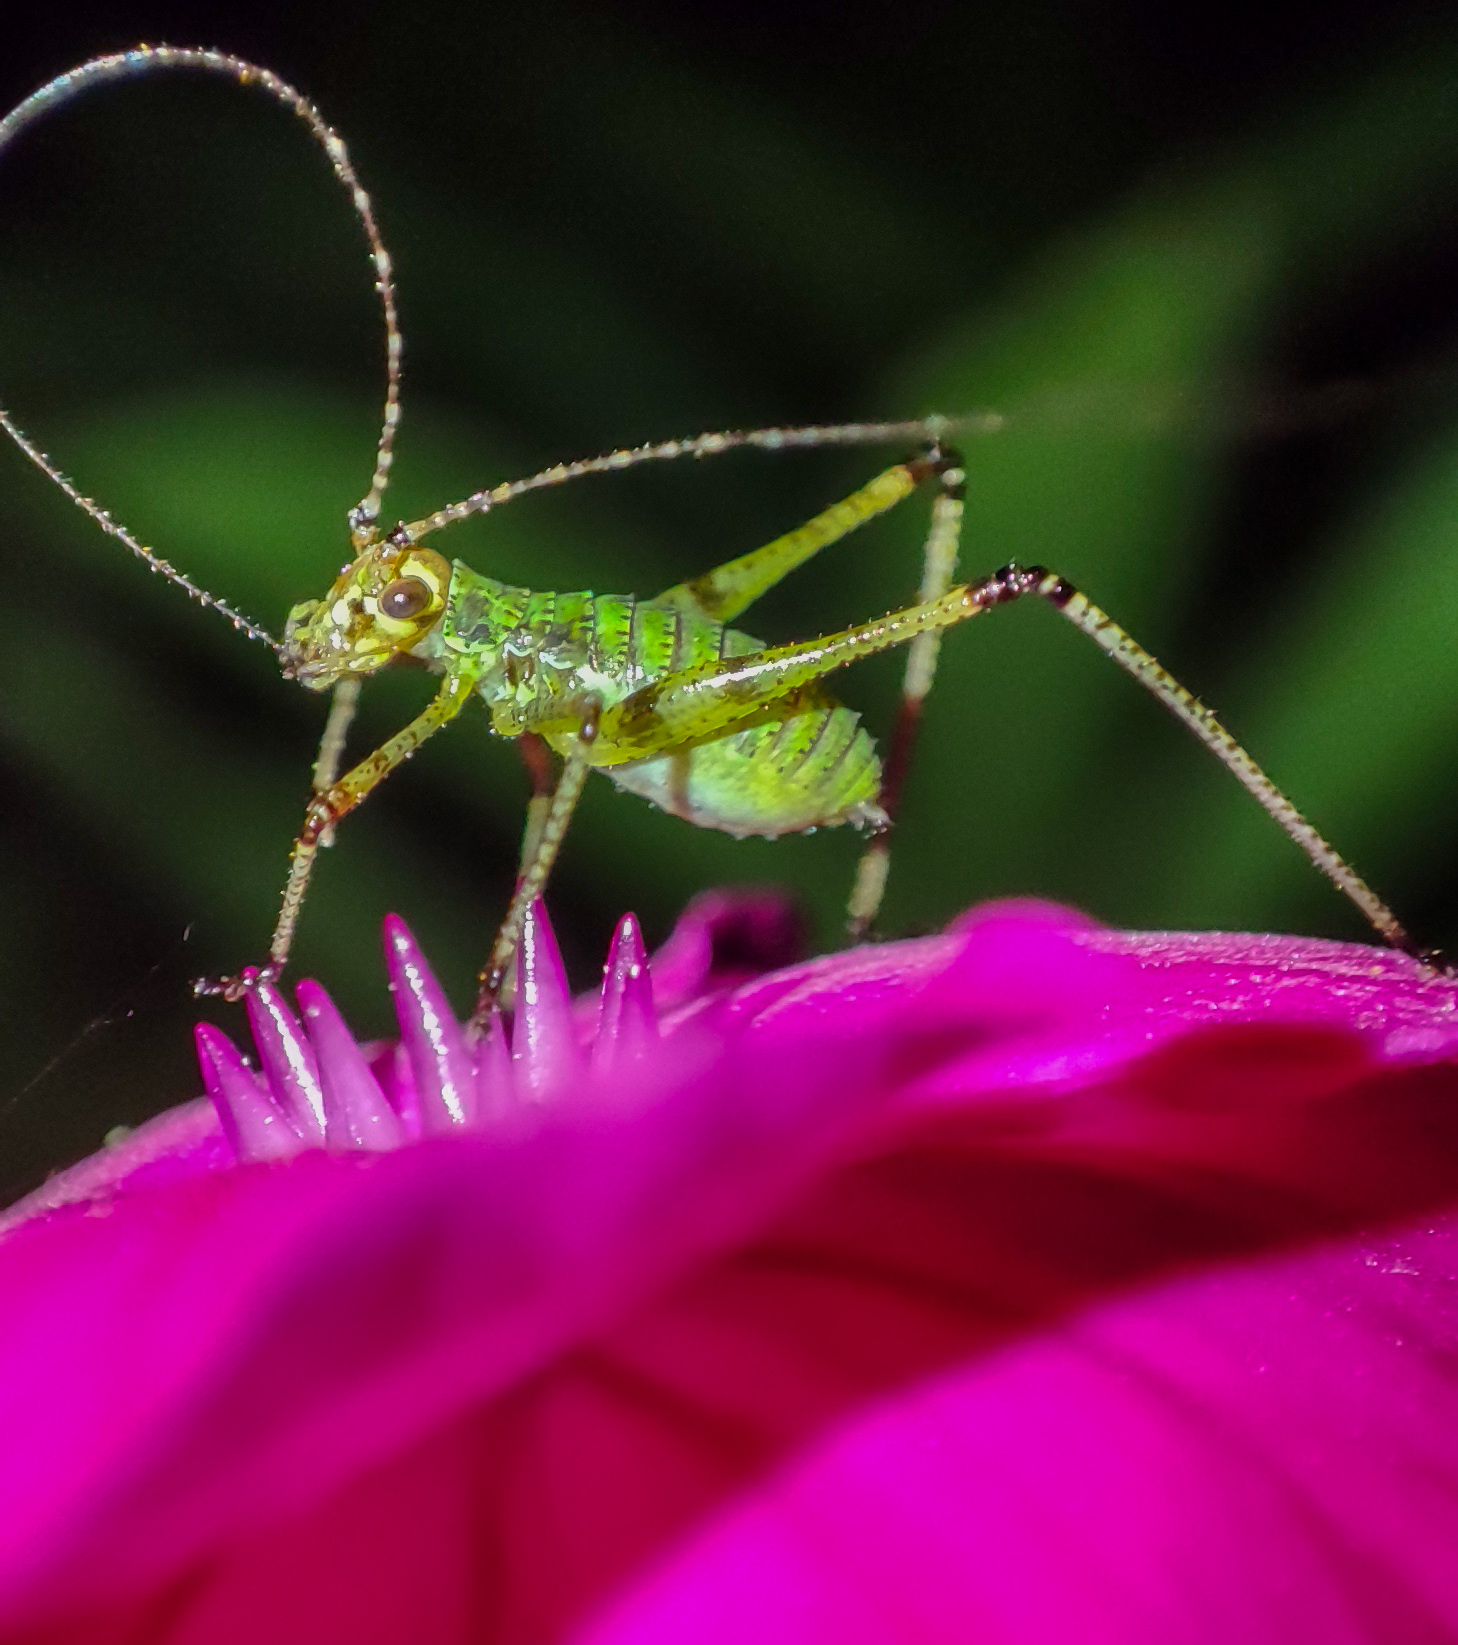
column 297, row 656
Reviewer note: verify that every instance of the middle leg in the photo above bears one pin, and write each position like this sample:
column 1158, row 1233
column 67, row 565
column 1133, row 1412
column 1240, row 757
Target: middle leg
column 536, row 868
column 537, row 757
column 939, row 566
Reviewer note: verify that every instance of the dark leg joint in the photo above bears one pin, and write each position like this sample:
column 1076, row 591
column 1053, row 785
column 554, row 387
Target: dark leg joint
column 1013, row 581
column 942, row 463
column 320, row 816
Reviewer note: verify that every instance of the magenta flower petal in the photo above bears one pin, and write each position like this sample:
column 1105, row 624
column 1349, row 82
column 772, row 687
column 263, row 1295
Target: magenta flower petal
column 724, row 938
column 495, row 1086
column 357, row 1113
column 544, row 1050
column 1267, row 1452
column 183, row 1142
column 1007, row 1285
column 627, row 1024
column 287, row 1060
column 255, row 1124
column 445, row 1076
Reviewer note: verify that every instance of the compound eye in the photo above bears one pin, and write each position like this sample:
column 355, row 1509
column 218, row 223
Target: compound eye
column 406, row 597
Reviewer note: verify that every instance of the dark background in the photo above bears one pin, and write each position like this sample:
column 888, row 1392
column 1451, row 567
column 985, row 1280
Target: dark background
column 1202, row 256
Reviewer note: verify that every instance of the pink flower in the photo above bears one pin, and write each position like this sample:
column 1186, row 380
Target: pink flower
column 1031, row 1282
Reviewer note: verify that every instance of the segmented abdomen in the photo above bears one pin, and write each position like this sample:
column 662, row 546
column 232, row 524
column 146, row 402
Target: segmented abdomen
column 809, row 766
column 814, row 768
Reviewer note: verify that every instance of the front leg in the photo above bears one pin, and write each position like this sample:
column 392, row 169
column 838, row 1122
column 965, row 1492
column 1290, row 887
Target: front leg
column 327, row 808
column 342, row 705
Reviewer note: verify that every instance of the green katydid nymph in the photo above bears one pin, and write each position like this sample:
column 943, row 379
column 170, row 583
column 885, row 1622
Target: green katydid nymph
column 664, row 696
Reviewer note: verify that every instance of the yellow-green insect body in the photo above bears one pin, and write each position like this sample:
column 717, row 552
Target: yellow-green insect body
column 789, row 763
column 794, row 763
column 663, row 695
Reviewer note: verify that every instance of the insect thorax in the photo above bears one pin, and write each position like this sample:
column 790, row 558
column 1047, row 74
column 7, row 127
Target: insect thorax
column 536, row 652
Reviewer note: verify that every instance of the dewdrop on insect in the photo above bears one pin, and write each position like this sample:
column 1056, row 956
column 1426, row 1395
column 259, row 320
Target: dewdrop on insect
column 664, row 696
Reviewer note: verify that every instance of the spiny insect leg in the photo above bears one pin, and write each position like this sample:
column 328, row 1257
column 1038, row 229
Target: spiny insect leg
column 537, row 757
column 708, row 699
column 342, row 706
column 697, row 703
column 541, row 767
column 537, row 869
column 1013, row 581
column 326, row 809
column 939, row 566
column 728, row 589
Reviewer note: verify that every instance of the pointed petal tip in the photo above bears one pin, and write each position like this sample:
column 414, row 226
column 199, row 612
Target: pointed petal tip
column 627, row 941
column 627, row 1020
column 440, row 1059
column 209, row 1052
column 399, row 938
column 286, row 1058
column 215, row 1047
column 357, row 1114
column 494, row 1085
column 312, row 997
column 544, row 1049
column 253, row 1123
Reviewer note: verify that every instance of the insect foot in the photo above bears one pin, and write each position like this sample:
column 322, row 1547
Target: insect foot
column 233, row 989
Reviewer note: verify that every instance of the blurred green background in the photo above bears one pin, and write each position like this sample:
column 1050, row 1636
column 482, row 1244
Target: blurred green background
column 1202, row 258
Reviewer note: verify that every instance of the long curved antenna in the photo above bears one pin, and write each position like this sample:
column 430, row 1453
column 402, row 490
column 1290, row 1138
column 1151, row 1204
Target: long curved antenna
column 145, row 60
column 114, row 528
column 711, row 445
